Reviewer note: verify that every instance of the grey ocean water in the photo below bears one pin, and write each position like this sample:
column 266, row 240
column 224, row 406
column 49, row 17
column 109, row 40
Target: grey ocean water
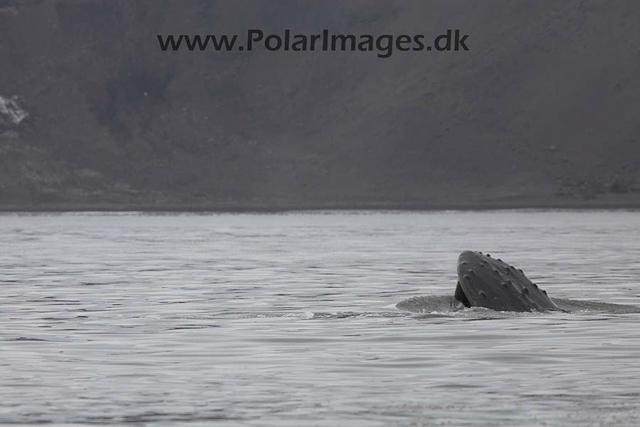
column 291, row 319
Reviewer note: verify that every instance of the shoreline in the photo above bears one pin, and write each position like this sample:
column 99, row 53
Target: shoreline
column 281, row 208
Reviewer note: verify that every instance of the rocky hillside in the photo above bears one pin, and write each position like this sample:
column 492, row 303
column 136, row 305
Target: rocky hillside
column 542, row 110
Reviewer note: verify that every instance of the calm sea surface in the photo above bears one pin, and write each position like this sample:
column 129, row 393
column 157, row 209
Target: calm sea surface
column 291, row 319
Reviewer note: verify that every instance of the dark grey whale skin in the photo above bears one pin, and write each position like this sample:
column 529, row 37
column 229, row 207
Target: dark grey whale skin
column 491, row 283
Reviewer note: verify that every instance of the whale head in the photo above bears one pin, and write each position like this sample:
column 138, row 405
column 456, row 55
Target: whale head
column 487, row 282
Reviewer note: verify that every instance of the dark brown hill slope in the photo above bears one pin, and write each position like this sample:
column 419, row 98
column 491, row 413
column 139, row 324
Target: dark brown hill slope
column 542, row 110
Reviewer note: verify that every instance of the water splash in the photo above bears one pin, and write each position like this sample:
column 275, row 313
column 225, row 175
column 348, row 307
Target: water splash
column 448, row 304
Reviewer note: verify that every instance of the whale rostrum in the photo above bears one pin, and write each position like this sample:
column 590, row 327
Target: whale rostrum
column 487, row 282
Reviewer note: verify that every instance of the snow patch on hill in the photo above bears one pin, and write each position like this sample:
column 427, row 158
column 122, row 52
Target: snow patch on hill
column 9, row 109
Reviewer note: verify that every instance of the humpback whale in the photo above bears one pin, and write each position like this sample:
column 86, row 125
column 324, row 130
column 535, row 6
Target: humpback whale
column 492, row 283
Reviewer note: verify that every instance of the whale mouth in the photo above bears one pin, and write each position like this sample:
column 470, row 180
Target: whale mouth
column 460, row 296
column 487, row 282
